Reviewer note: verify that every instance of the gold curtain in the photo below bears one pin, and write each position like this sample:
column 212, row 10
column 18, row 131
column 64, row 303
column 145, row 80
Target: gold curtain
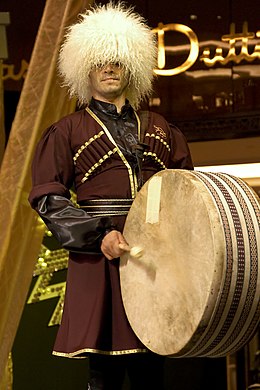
column 42, row 102
column 2, row 125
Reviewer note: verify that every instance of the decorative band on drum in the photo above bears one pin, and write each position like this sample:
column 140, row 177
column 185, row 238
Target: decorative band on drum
column 229, row 330
column 107, row 207
column 246, row 320
column 204, row 344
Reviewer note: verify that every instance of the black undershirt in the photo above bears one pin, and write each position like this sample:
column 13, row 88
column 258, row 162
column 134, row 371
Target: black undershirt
column 122, row 126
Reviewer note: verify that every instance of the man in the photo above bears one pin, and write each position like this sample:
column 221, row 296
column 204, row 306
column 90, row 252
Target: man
column 106, row 151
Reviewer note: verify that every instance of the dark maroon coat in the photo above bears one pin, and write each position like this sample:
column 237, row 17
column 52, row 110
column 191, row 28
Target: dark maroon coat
column 78, row 150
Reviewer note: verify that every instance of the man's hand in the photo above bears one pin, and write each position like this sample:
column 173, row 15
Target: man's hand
column 110, row 245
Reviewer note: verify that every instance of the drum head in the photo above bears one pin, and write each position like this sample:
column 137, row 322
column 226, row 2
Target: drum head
column 169, row 292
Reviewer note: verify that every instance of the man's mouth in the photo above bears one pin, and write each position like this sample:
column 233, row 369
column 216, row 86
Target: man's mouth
column 110, row 78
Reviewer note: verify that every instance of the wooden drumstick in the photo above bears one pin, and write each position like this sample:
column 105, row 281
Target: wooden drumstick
column 135, row 251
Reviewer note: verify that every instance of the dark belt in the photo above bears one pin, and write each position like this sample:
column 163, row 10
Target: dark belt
column 107, row 207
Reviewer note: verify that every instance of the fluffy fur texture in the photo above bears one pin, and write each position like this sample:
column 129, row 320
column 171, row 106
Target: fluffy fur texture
column 109, row 33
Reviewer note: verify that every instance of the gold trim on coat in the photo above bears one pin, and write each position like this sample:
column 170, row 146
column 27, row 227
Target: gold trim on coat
column 86, row 144
column 132, row 176
column 97, row 164
column 99, row 351
column 156, row 158
column 152, row 135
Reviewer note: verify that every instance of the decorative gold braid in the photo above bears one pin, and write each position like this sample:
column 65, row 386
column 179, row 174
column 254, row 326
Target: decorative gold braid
column 154, row 156
column 138, row 126
column 98, row 164
column 108, row 199
column 132, row 180
column 159, row 139
column 86, row 144
column 101, row 352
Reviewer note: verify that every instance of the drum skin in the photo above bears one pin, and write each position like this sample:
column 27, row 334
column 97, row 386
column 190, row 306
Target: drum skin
column 194, row 291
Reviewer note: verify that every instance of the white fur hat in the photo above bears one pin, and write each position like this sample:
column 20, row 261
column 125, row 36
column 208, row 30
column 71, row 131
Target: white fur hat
column 105, row 34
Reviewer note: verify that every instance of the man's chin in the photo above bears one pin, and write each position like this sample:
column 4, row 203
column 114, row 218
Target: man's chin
column 112, row 92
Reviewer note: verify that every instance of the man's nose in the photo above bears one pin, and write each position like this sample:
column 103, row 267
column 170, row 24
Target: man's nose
column 109, row 68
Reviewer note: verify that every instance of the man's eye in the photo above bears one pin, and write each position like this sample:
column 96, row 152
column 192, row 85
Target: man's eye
column 116, row 64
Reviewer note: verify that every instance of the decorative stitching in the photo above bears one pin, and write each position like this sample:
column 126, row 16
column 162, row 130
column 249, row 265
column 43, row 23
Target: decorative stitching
column 86, row 144
column 156, row 158
column 98, row 164
column 86, row 350
column 159, row 139
column 131, row 174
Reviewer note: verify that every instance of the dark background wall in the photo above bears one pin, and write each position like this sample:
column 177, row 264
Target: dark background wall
column 206, row 103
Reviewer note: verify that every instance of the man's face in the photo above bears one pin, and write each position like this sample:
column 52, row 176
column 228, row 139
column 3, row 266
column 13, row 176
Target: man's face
column 109, row 82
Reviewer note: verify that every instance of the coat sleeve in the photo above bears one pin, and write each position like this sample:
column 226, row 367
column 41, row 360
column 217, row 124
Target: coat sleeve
column 52, row 178
column 181, row 157
column 74, row 229
column 52, row 166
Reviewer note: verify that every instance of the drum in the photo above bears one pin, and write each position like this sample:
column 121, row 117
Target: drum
column 194, row 289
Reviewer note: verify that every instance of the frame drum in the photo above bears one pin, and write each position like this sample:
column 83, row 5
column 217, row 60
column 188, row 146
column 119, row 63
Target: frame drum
column 194, row 289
